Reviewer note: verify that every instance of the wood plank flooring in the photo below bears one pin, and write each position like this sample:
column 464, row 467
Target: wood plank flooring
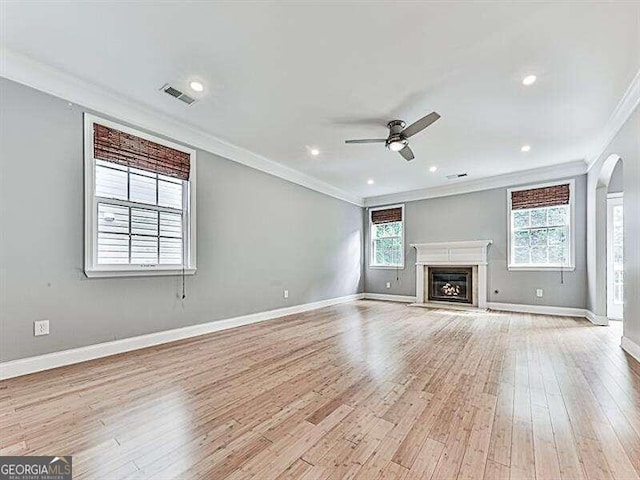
column 365, row 390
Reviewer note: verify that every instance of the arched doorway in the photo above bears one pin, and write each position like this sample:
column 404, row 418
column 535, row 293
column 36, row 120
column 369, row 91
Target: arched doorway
column 609, row 238
column 615, row 244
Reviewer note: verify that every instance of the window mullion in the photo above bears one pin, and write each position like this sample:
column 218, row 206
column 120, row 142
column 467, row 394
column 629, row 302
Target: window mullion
column 130, row 239
column 158, row 218
column 158, row 236
column 144, row 206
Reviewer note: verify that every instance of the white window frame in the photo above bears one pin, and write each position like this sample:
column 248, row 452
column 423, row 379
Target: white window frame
column 371, row 240
column 91, row 266
column 572, row 229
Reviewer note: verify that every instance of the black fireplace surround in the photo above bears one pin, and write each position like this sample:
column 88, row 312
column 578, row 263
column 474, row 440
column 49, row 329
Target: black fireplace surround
column 451, row 284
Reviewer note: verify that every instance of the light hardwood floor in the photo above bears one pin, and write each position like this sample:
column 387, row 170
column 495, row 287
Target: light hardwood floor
column 364, row 390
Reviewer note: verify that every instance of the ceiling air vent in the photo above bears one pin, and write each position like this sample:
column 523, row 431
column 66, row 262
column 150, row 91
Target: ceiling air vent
column 174, row 92
column 457, row 175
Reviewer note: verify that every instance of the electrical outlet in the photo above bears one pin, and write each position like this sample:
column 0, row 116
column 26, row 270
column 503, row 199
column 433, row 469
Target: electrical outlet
column 388, row 284
column 539, row 292
column 40, row 327
column 286, row 294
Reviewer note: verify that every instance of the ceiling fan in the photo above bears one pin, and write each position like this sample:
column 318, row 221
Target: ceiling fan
column 398, row 135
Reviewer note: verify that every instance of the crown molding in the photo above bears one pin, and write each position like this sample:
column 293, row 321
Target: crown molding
column 553, row 172
column 24, row 70
column 627, row 104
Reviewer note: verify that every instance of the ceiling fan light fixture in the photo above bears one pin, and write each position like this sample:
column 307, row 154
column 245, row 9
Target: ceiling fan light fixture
column 397, row 141
column 396, row 145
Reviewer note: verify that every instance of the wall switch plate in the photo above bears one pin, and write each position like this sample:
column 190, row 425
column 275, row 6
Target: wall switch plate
column 539, row 292
column 286, row 294
column 388, row 284
column 41, row 327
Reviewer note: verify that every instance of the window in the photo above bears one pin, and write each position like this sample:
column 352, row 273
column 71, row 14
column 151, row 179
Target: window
column 139, row 208
column 541, row 227
column 387, row 237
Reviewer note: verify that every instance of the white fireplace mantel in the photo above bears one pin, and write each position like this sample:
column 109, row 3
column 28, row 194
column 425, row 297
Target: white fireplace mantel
column 469, row 253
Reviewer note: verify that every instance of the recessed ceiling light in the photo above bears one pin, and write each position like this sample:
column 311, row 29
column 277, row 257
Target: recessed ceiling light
column 370, row 182
column 529, row 80
column 315, row 152
column 196, row 86
column 433, row 169
column 525, row 148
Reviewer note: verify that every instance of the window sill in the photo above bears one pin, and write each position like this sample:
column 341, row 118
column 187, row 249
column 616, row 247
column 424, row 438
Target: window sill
column 143, row 272
column 540, row 268
column 386, row 267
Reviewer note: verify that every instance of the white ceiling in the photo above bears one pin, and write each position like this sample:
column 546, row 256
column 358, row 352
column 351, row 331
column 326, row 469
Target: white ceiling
column 282, row 78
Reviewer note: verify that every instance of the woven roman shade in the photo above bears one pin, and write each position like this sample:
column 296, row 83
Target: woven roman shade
column 540, row 197
column 114, row 146
column 386, row 216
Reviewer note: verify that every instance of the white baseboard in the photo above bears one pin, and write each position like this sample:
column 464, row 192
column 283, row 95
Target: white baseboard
column 631, row 347
column 539, row 309
column 510, row 307
column 601, row 320
column 546, row 310
column 24, row 366
column 390, row 298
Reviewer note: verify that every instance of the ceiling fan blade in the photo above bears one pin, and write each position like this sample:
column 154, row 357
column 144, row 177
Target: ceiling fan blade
column 420, row 125
column 367, row 140
column 407, row 153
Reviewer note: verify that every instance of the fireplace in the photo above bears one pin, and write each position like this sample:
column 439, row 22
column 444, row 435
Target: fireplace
column 466, row 255
column 451, row 284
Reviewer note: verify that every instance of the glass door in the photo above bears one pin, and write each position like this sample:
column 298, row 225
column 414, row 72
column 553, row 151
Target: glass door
column 615, row 257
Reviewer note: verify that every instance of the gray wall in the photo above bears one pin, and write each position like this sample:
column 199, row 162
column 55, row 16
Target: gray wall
column 616, row 184
column 626, row 145
column 256, row 234
column 479, row 216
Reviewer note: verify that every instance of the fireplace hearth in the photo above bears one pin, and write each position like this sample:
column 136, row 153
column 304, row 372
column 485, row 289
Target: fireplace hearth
column 451, row 284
